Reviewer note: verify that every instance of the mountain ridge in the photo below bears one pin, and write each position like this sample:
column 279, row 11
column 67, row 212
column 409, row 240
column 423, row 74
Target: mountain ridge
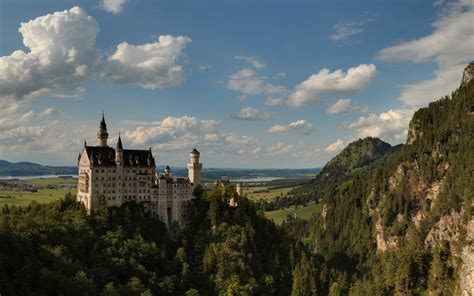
column 25, row 168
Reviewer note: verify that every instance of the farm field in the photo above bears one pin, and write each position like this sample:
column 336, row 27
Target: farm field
column 24, row 198
column 52, row 181
column 279, row 216
column 264, row 192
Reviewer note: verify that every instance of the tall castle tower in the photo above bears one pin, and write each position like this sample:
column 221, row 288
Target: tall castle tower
column 102, row 135
column 119, row 152
column 194, row 168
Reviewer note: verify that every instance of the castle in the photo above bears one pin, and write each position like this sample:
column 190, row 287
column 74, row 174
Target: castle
column 116, row 176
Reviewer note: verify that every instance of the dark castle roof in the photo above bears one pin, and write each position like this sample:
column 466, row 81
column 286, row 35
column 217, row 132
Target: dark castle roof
column 105, row 156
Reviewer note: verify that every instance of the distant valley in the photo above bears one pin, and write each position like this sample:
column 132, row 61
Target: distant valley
column 21, row 169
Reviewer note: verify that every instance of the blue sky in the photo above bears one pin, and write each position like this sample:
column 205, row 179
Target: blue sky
column 249, row 83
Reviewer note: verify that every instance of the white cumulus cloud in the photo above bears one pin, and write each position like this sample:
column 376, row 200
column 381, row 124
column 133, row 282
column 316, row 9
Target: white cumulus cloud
column 113, row 6
column 152, row 65
column 61, row 50
column 247, row 82
column 278, row 149
column 61, row 53
column 340, row 106
column 390, row 125
column 335, row 82
column 179, row 132
column 450, row 45
column 270, row 101
column 250, row 113
column 336, row 146
column 295, row 127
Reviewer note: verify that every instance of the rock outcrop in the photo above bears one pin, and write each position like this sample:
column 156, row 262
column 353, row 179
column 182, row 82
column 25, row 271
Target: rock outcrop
column 468, row 74
column 466, row 273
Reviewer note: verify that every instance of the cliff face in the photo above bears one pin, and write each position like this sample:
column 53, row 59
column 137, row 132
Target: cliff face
column 435, row 171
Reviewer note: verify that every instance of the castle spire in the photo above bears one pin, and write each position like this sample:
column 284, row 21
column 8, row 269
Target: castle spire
column 119, row 143
column 102, row 135
column 102, row 122
column 119, row 152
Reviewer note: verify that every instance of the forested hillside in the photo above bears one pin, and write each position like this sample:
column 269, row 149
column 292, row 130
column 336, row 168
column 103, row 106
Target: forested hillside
column 404, row 225
column 57, row 249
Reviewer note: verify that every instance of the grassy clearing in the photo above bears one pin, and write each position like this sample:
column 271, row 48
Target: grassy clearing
column 25, row 198
column 301, row 212
column 52, row 181
column 257, row 193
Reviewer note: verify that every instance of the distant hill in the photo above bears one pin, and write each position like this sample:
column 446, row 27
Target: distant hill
column 357, row 156
column 33, row 169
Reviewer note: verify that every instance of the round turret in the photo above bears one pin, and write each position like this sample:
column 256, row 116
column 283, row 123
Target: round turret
column 194, row 155
column 194, row 167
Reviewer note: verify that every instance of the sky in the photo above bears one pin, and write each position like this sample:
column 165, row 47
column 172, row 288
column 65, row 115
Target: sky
column 251, row 84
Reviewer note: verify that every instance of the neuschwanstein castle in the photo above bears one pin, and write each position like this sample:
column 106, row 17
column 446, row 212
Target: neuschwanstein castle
column 121, row 175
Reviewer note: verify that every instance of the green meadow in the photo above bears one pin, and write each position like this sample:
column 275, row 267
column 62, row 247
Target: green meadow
column 264, row 192
column 23, row 198
column 52, row 181
column 306, row 212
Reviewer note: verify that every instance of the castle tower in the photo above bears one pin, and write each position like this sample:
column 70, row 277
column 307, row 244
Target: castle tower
column 102, row 135
column 238, row 189
column 168, row 171
column 194, row 168
column 119, row 152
